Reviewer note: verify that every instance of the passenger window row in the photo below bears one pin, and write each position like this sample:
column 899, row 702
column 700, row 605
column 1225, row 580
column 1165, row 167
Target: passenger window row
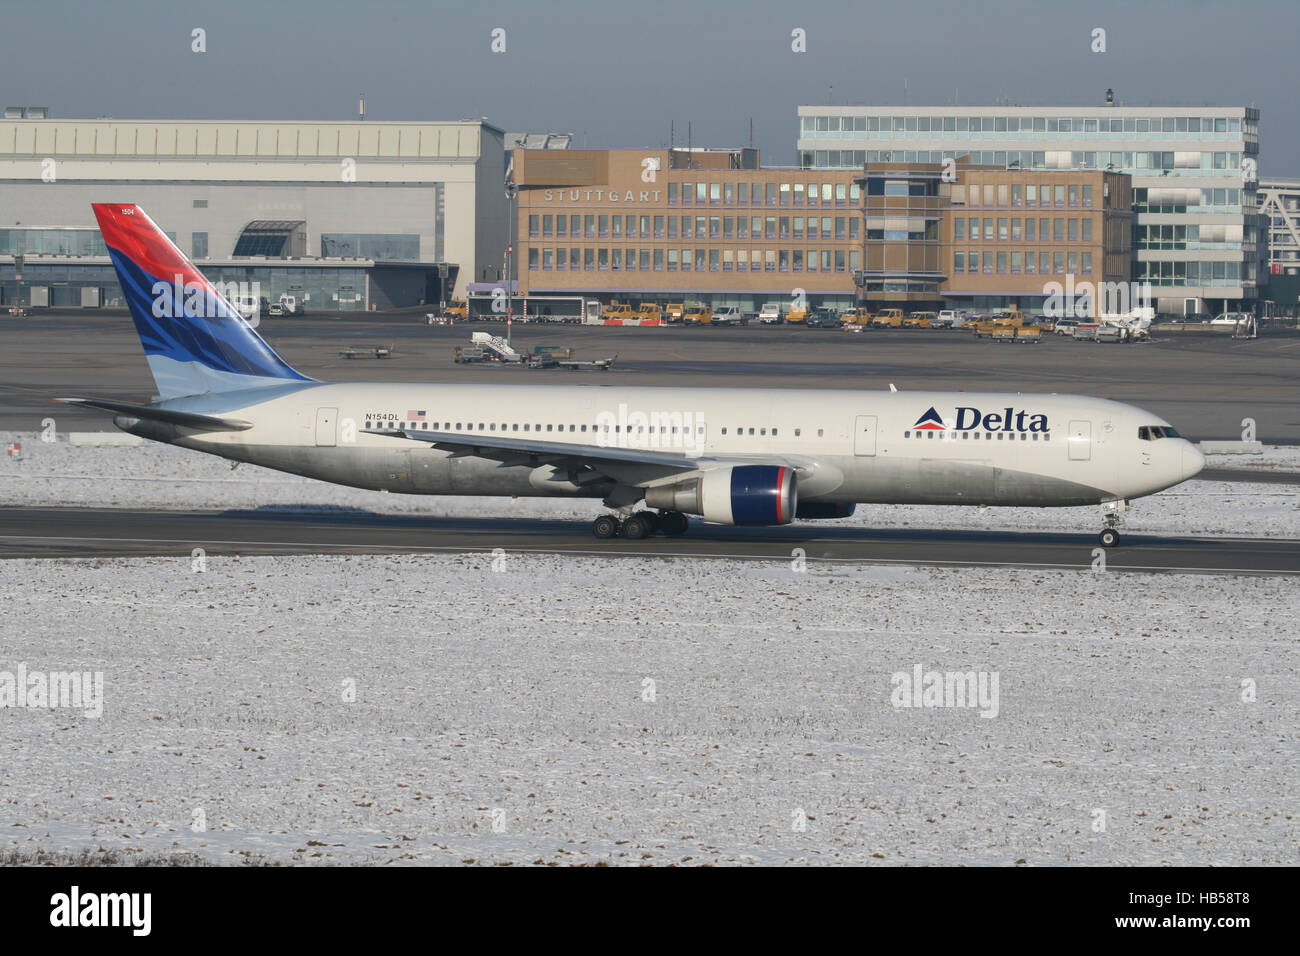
column 549, row 427
column 988, row 436
column 760, row 432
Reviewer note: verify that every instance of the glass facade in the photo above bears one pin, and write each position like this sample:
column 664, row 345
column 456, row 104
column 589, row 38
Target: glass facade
column 53, row 242
column 324, row 290
column 370, row 245
column 1189, row 165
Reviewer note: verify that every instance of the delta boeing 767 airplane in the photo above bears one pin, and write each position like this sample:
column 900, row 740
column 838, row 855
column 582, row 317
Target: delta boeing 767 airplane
column 733, row 456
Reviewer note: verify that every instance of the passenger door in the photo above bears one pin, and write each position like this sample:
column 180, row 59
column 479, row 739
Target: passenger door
column 864, row 435
column 327, row 427
column 1080, row 441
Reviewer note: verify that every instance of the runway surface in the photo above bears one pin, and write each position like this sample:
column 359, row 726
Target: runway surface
column 88, row 533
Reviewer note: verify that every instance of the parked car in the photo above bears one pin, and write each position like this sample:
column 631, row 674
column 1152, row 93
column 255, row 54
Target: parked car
column 1065, row 326
column 823, row 319
column 729, row 315
column 276, row 309
column 770, row 314
column 948, row 319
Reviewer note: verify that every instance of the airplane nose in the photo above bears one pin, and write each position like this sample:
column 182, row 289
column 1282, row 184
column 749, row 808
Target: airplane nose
column 1193, row 461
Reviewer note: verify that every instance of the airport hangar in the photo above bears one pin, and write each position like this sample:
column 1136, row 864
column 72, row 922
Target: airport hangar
column 348, row 216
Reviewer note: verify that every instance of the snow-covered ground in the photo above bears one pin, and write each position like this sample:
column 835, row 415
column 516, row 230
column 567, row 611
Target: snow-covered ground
column 163, row 476
column 503, row 712
column 1275, row 457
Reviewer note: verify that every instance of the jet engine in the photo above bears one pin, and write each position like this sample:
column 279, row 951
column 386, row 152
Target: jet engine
column 739, row 494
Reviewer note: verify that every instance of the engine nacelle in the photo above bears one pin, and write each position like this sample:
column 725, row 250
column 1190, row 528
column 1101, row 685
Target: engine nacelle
column 740, row 494
column 816, row 510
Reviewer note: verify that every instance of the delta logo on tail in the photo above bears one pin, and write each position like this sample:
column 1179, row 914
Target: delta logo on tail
column 930, row 422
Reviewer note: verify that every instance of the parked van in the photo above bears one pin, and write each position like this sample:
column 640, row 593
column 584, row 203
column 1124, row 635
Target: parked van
column 770, row 314
column 729, row 315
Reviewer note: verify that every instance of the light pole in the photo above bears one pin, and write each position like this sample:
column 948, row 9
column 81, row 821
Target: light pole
column 18, row 282
column 512, row 194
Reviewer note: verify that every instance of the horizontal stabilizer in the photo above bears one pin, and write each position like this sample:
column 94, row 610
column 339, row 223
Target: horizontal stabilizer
column 170, row 416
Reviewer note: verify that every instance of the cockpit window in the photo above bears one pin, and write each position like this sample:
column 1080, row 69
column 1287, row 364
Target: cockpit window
column 1154, row 432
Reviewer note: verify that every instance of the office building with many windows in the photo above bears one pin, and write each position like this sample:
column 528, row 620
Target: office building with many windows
column 713, row 227
column 1197, row 235
column 706, row 226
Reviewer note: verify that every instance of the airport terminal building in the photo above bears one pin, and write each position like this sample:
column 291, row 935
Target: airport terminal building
column 346, row 216
column 713, row 227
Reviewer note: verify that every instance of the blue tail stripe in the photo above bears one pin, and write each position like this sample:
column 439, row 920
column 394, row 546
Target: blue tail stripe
column 218, row 339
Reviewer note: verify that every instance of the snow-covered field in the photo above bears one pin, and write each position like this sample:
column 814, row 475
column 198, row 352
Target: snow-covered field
column 568, row 710
column 508, row 716
column 163, row 476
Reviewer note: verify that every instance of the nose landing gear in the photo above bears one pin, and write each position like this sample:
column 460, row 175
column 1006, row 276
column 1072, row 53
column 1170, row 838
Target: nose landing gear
column 640, row 525
column 1112, row 515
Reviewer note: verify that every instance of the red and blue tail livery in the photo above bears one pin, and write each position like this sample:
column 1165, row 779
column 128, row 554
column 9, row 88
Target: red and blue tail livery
column 194, row 340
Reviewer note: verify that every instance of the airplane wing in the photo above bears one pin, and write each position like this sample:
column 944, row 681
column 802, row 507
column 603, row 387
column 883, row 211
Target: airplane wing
column 630, row 466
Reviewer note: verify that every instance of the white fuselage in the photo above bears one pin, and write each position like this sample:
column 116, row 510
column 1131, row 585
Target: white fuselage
column 852, row 446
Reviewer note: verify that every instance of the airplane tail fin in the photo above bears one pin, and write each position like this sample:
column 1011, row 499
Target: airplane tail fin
column 195, row 341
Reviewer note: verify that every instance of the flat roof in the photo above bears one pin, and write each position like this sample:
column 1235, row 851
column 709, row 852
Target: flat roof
column 1098, row 108
column 190, row 139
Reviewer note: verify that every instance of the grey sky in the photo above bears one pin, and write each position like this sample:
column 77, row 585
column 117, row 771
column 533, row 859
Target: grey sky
column 619, row 73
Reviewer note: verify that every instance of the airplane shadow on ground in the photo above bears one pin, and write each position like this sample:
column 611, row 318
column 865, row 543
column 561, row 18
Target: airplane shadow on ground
column 357, row 519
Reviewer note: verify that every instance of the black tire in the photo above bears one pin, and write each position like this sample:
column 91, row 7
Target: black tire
column 604, row 527
column 673, row 523
column 653, row 519
column 637, row 527
column 1109, row 538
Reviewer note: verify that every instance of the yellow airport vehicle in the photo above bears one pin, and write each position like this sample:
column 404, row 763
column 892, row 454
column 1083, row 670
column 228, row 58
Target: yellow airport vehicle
column 857, row 317
column 920, row 320
column 458, row 309
column 888, row 319
column 1012, row 318
column 797, row 315
column 649, row 313
column 698, row 315
column 674, row 311
column 617, row 311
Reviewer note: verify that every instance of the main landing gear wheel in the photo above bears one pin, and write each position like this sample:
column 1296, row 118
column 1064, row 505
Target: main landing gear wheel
column 1109, row 538
column 638, row 526
column 606, row 526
